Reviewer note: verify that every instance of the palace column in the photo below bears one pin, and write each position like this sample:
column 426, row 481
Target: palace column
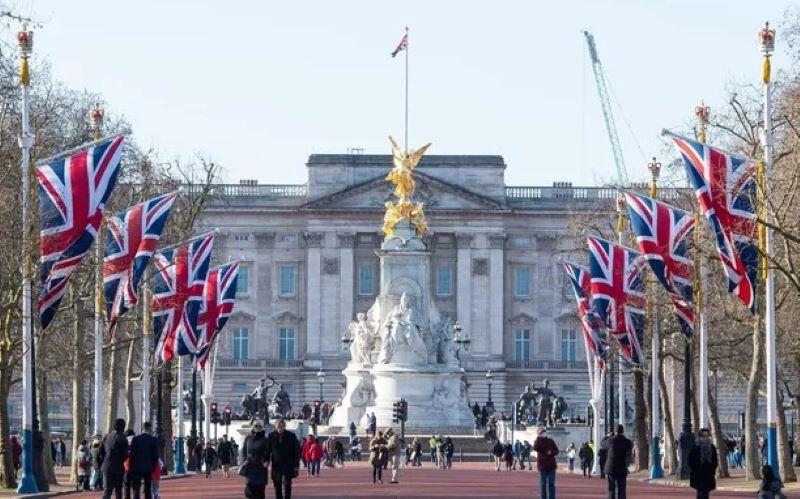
column 496, row 327
column 313, row 294
column 464, row 284
column 346, row 243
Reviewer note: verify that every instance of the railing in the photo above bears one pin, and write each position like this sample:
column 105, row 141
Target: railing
column 252, row 363
column 588, row 193
column 547, row 364
column 261, row 190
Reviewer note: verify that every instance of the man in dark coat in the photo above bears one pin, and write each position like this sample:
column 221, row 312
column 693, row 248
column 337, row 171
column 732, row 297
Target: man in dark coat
column 144, row 458
column 114, row 451
column 703, row 464
column 602, row 453
column 254, row 460
column 225, row 451
column 619, row 457
column 284, row 454
column 546, row 452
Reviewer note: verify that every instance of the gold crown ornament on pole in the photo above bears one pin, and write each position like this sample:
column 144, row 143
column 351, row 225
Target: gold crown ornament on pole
column 401, row 175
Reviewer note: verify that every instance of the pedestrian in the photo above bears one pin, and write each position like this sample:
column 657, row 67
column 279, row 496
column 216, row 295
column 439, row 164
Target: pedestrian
column 571, row 452
column 225, row 452
column 440, row 452
column 155, row 479
column 16, row 453
column 373, row 424
column 771, row 485
column 703, row 464
column 508, row 455
column 97, row 464
column 525, row 454
column 307, row 442
column 586, row 455
column 393, row 446
column 283, row 449
column 209, row 455
column 355, row 449
column 417, row 452
column 432, row 442
column 377, row 456
column 546, row 452
column 314, row 455
column 619, row 452
column 449, row 449
column 254, row 462
column 114, row 451
column 338, row 451
column 497, row 452
column 602, row 453
column 517, row 453
column 352, row 429
column 143, row 460
column 82, row 464
column 126, row 465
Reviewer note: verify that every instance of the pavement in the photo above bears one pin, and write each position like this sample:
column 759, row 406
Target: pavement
column 464, row 480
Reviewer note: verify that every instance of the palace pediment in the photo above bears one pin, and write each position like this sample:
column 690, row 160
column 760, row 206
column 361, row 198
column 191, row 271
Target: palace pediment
column 435, row 194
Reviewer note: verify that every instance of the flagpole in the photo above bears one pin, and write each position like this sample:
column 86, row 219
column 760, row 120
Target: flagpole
column 406, row 116
column 180, row 466
column 27, row 483
column 656, row 471
column 702, row 113
column 146, row 325
column 621, row 389
column 96, row 116
column 767, row 42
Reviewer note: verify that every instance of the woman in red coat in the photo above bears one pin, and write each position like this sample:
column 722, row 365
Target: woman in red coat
column 314, row 455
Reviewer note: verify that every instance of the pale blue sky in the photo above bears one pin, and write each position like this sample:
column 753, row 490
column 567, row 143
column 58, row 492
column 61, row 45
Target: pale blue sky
column 260, row 85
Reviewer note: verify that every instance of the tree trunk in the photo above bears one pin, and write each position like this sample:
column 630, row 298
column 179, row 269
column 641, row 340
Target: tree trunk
column 719, row 437
column 130, row 410
column 112, row 393
column 669, row 431
column 752, row 454
column 44, row 422
column 7, row 474
column 640, row 422
column 695, row 387
column 784, row 452
column 78, row 383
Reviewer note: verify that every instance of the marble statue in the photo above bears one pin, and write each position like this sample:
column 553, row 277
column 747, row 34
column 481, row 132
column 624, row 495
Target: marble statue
column 362, row 339
column 403, row 331
column 446, row 351
column 281, row 406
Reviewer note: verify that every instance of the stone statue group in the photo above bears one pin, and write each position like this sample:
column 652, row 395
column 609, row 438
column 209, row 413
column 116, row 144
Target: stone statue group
column 258, row 405
column 543, row 404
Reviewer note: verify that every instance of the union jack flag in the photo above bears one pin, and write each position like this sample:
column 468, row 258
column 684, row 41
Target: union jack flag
column 131, row 238
column 403, row 45
column 725, row 186
column 73, row 190
column 177, row 296
column 219, row 297
column 618, row 296
column 593, row 333
column 661, row 232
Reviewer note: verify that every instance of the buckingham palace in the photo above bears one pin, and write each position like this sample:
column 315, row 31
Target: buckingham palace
column 309, row 264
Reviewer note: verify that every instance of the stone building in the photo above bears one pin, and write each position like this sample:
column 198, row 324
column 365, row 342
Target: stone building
column 309, row 265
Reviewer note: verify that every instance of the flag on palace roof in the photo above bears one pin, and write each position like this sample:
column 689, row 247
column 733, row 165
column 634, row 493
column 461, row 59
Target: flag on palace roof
column 73, row 190
column 180, row 276
column 593, row 334
column 725, row 186
column 131, row 238
column 618, row 294
column 661, row 233
column 219, row 298
column 403, row 45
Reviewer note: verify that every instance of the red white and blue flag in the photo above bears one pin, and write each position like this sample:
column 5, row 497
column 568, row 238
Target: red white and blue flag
column 618, row 294
column 403, row 45
column 178, row 295
column 725, row 186
column 593, row 333
column 219, row 298
column 131, row 238
column 73, row 189
column 661, row 232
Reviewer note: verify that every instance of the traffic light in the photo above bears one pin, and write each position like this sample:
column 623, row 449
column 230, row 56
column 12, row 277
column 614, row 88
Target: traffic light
column 227, row 415
column 519, row 412
column 214, row 413
column 317, row 406
column 397, row 411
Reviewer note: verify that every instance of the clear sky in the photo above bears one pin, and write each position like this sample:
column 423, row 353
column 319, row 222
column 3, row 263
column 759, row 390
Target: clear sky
column 259, row 85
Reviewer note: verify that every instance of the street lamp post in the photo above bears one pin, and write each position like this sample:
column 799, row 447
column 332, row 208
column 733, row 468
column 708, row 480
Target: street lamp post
column 656, row 471
column 489, row 377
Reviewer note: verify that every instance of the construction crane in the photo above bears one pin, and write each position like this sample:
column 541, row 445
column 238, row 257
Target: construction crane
column 608, row 115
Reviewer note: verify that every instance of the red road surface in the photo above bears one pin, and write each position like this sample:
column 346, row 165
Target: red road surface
column 465, row 480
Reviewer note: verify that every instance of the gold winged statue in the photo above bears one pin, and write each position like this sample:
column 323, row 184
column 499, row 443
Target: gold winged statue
column 402, row 178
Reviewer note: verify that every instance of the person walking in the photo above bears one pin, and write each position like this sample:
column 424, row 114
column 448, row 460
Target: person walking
column 97, row 464
column 355, row 449
column 703, row 464
column 377, row 456
column 225, row 452
column 155, row 478
column 254, row 462
column 586, row 455
column 304, row 450
column 571, row 452
column 432, row 442
column 114, row 451
column 525, row 455
column 393, row 446
column 619, row 450
column 546, row 452
column 373, row 424
column 417, row 457
column 449, row 449
column 508, row 455
column 338, row 451
column 602, row 453
column 771, row 486
column 143, row 460
column 517, row 453
column 497, row 452
column 313, row 455
column 83, row 462
column 209, row 455
column 283, row 449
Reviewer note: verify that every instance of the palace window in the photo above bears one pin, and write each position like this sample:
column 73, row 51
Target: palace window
column 287, row 277
column 568, row 345
column 522, row 344
column 241, row 342
column 522, row 242
column 366, row 280
column 241, row 238
column 287, row 239
column 444, row 280
column 243, row 280
column 522, row 281
column 287, row 341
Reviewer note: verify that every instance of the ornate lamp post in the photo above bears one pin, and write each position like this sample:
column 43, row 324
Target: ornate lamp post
column 489, row 378
column 321, row 380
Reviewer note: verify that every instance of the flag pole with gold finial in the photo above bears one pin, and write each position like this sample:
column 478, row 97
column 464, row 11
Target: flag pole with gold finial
column 96, row 122
column 656, row 471
column 702, row 113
